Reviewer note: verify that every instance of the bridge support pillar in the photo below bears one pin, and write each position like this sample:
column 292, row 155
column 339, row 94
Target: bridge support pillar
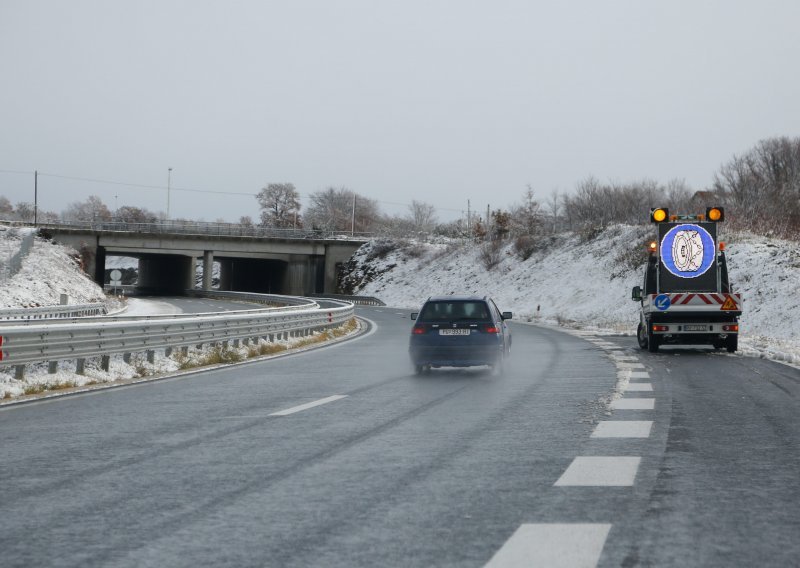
column 208, row 268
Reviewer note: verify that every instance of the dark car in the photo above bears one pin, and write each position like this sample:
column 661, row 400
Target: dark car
column 459, row 331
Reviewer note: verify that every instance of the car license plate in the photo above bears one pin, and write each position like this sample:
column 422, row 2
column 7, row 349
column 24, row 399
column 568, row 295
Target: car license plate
column 695, row 328
column 454, row 332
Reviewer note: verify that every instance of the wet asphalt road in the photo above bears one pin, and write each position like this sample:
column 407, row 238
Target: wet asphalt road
column 399, row 470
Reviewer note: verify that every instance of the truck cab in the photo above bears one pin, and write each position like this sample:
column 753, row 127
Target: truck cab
column 686, row 296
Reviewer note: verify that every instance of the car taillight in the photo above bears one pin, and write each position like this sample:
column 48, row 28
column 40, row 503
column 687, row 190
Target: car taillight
column 418, row 330
column 660, row 328
column 492, row 329
column 732, row 327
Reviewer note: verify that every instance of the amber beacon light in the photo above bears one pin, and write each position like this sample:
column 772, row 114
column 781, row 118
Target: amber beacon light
column 715, row 214
column 659, row 214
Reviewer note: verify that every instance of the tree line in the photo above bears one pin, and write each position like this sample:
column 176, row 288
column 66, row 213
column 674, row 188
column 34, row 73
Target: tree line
column 760, row 189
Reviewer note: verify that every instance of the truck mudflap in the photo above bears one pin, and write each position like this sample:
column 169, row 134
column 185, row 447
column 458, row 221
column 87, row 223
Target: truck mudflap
column 678, row 302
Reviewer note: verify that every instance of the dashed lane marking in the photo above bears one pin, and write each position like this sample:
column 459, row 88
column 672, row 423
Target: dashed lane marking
column 553, row 545
column 639, row 387
column 633, row 404
column 600, row 471
column 308, row 405
column 629, row 365
column 623, row 429
column 639, row 375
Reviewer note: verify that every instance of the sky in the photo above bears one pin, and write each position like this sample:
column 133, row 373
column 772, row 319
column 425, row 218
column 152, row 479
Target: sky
column 443, row 102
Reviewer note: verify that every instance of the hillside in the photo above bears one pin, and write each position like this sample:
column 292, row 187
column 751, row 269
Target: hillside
column 587, row 284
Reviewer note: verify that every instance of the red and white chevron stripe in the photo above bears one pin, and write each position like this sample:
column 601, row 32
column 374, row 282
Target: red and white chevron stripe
column 702, row 299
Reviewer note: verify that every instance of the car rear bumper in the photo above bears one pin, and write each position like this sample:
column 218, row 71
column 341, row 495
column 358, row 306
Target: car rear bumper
column 467, row 356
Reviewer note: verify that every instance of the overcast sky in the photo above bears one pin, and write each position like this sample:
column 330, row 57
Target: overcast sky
column 429, row 100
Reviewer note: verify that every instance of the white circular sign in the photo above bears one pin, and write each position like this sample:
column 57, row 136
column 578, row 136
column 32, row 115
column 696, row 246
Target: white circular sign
column 115, row 275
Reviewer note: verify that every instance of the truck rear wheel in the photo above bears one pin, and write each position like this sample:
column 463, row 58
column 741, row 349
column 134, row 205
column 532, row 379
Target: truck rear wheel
column 732, row 343
column 641, row 336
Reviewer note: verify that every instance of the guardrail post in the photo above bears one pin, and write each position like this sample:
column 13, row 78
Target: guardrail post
column 225, row 344
column 52, row 367
column 151, row 356
column 105, row 362
column 19, row 372
column 236, row 344
column 80, row 367
column 185, row 350
column 167, row 351
column 126, row 357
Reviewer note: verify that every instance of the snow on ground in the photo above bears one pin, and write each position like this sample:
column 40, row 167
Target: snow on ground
column 586, row 284
column 48, row 271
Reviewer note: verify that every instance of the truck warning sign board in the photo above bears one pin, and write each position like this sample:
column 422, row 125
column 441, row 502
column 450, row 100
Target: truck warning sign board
column 688, row 257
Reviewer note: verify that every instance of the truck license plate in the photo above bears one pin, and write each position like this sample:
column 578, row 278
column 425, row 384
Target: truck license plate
column 695, row 328
column 453, row 332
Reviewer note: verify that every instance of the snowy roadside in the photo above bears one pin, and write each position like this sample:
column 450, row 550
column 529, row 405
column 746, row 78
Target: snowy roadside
column 586, row 285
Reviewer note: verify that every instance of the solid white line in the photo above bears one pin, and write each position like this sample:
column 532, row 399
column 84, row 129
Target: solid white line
column 596, row 471
column 552, row 545
column 306, row 406
column 639, row 387
column 633, row 404
column 623, row 429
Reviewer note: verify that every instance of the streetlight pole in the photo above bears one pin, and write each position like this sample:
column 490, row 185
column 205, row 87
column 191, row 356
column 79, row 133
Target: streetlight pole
column 169, row 179
column 35, row 197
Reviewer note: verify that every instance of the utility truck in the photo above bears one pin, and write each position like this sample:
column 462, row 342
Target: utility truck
column 686, row 297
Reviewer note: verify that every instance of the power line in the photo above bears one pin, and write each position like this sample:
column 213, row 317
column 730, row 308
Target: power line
column 186, row 189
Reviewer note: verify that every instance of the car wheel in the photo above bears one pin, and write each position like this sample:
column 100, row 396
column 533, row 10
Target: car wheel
column 732, row 343
column 641, row 337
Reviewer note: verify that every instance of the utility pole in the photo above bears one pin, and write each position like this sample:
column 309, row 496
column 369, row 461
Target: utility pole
column 353, row 220
column 35, row 197
column 469, row 218
column 169, row 179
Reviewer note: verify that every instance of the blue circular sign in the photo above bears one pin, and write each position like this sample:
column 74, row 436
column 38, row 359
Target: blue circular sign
column 687, row 250
column 662, row 302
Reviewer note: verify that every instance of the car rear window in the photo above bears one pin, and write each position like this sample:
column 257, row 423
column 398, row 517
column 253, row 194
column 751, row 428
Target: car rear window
column 454, row 311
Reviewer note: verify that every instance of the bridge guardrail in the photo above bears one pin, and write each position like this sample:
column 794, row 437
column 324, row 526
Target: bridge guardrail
column 50, row 312
column 101, row 337
column 358, row 300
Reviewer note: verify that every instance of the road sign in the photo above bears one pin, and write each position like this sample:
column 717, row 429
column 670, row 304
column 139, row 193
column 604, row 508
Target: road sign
column 116, row 274
column 730, row 304
column 662, row 302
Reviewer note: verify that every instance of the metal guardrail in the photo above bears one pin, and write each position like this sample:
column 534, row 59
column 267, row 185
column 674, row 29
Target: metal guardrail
column 52, row 312
column 358, row 300
column 101, row 337
column 208, row 229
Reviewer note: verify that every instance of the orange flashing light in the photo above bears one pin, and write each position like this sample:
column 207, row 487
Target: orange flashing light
column 652, row 246
column 721, row 246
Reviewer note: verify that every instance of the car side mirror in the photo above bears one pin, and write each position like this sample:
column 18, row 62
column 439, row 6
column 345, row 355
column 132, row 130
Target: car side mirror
column 414, row 315
column 506, row 315
column 636, row 293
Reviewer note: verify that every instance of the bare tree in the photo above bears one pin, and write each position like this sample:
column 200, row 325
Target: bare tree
column 92, row 210
column 762, row 187
column 342, row 210
column 554, row 209
column 6, row 209
column 131, row 214
column 280, row 205
column 246, row 221
column 24, row 211
column 525, row 218
column 422, row 215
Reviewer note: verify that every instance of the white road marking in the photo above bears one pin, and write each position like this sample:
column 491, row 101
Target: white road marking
column 639, row 387
column 627, row 365
column 639, row 375
column 633, row 404
column 553, row 545
column 597, row 471
column 623, row 429
column 309, row 405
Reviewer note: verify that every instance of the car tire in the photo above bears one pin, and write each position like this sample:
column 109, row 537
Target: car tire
column 732, row 343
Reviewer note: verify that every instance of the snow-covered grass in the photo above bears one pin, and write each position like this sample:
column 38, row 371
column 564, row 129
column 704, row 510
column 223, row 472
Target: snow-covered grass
column 572, row 283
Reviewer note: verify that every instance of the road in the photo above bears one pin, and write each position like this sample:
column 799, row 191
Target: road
column 342, row 457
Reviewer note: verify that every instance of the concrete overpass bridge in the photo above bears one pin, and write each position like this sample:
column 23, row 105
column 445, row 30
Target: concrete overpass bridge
column 251, row 259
